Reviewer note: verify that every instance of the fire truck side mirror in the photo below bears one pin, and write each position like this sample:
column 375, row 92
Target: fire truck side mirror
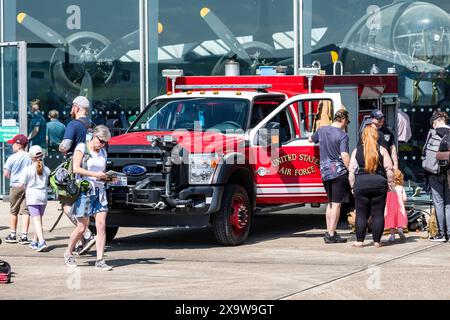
column 269, row 135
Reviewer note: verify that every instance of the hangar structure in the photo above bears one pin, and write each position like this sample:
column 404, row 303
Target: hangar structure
column 113, row 52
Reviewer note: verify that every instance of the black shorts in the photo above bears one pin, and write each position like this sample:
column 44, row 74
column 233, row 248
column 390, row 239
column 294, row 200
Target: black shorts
column 338, row 189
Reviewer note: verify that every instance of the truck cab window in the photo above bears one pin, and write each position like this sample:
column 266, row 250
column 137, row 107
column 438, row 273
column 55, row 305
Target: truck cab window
column 286, row 131
column 261, row 109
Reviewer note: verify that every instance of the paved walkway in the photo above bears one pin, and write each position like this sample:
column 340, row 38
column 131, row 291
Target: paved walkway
column 285, row 258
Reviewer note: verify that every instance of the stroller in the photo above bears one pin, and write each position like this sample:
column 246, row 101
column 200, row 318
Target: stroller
column 420, row 219
column 417, row 219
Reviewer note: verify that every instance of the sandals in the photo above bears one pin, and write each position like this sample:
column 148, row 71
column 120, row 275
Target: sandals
column 357, row 245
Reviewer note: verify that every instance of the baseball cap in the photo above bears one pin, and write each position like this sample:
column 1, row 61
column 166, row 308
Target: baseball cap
column 81, row 102
column 35, row 151
column 435, row 116
column 377, row 114
column 20, row 139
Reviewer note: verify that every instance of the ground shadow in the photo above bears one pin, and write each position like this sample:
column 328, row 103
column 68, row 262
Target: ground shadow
column 264, row 228
column 117, row 263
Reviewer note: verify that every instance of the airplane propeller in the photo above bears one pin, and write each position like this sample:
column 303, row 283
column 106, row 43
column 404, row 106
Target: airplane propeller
column 225, row 34
column 120, row 47
column 86, row 86
column 90, row 61
column 44, row 32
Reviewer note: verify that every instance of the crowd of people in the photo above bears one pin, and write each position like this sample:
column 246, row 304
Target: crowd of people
column 29, row 179
column 47, row 135
column 369, row 176
column 371, row 179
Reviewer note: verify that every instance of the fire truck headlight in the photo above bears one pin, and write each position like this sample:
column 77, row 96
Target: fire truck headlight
column 202, row 167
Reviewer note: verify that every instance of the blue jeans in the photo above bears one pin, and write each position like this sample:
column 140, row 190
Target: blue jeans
column 440, row 193
column 89, row 205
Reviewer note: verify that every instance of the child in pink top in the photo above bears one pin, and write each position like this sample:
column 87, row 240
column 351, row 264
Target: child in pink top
column 395, row 215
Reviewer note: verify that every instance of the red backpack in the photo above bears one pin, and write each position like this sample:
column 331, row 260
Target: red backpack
column 5, row 272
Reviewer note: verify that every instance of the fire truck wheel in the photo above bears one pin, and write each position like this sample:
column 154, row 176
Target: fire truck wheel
column 110, row 232
column 232, row 222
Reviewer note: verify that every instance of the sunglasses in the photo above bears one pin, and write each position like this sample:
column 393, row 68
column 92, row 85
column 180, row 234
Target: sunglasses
column 102, row 141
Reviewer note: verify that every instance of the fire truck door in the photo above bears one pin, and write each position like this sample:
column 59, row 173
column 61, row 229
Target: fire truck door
column 349, row 97
column 286, row 164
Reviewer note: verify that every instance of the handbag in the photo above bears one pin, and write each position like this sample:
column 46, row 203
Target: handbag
column 5, row 272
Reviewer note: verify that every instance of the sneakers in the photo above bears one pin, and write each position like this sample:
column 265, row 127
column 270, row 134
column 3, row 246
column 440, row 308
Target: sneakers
column 42, row 247
column 333, row 239
column 101, row 265
column 439, row 238
column 24, row 240
column 77, row 250
column 84, row 248
column 69, row 260
column 34, row 245
column 11, row 239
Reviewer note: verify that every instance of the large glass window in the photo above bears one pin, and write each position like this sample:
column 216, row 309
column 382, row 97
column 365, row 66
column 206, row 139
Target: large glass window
column 412, row 36
column 200, row 37
column 81, row 47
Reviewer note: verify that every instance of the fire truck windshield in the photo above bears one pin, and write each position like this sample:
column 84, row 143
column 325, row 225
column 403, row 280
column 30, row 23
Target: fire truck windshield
column 224, row 115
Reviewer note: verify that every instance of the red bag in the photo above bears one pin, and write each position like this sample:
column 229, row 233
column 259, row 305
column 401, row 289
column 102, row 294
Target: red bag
column 5, row 272
column 394, row 216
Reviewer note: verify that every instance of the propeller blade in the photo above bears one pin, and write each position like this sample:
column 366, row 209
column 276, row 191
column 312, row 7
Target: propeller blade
column 224, row 34
column 86, row 87
column 120, row 47
column 44, row 32
column 60, row 78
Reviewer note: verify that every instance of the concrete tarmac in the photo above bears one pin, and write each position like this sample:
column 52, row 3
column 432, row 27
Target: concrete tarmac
column 284, row 258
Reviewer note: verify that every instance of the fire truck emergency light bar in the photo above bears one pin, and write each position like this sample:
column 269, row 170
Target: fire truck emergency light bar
column 308, row 72
column 224, row 86
column 172, row 73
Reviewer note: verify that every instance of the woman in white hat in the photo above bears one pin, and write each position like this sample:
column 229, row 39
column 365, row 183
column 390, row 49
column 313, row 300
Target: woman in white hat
column 35, row 180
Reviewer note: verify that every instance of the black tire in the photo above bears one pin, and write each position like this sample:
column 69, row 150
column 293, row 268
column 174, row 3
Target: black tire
column 110, row 232
column 227, row 232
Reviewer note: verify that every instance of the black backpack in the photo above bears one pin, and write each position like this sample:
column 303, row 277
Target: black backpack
column 5, row 272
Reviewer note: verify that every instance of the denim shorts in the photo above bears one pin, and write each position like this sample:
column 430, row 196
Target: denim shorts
column 88, row 205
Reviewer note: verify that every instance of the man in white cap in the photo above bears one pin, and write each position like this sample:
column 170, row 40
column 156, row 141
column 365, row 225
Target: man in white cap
column 76, row 132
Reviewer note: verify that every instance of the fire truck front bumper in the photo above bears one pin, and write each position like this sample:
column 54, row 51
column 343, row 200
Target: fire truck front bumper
column 191, row 207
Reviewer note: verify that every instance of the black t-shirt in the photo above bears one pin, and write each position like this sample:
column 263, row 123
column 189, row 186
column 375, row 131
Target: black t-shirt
column 385, row 138
column 363, row 180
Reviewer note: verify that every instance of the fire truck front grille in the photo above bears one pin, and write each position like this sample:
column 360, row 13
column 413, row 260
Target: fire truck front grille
column 147, row 157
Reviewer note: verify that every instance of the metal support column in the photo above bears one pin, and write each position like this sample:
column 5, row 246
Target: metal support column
column 22, row 85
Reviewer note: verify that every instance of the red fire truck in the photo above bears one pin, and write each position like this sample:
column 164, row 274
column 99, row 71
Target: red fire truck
column 215, row 150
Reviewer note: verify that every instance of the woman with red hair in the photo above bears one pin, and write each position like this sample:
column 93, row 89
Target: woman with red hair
column 371, row 173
